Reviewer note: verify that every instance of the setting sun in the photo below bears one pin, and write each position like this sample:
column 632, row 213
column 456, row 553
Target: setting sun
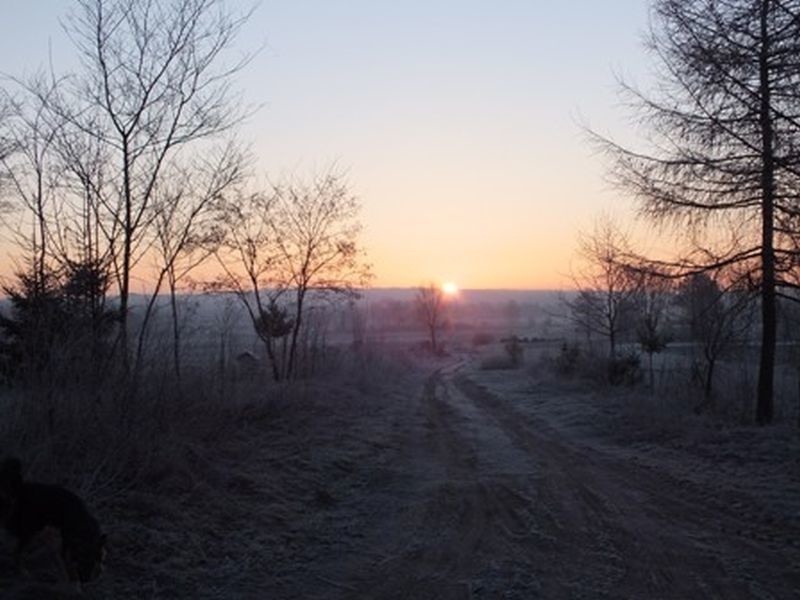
column 450, row 289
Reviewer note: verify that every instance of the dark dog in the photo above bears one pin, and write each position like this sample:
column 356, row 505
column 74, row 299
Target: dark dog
column 27, row 508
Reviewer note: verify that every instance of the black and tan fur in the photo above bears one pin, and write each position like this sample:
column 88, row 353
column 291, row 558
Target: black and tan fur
column 27, row 508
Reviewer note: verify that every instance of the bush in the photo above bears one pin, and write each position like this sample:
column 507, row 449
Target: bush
column 566, row 362
column 625, row 369
column 57, row 325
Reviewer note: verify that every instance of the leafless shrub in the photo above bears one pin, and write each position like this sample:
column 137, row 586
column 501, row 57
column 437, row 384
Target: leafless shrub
column 430, row 307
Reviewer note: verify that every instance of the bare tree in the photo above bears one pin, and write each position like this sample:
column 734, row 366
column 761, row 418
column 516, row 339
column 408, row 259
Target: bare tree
column 719, row 319
column 316, row 231
column 82, row 230
column 7, row 147
column 51, row 188
column 430, row 306
column 605, row 284
column 294, row 246
column 154, row 81
column 189, row 207
column 723, row 151
column 248, row 258
column 53, row 217
column 651, row 300
column 31, row 172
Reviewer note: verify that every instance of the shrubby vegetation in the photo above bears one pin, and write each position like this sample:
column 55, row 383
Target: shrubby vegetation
column 688, row 335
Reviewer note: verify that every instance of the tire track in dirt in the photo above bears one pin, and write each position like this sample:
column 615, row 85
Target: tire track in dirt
column 461, row 516
column 473, row 527
column 661, row 540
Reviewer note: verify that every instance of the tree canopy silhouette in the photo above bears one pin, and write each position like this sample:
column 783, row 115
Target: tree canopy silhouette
column 721, row 158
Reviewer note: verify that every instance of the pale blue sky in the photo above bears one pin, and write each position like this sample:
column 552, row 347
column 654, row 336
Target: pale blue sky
column 457, row 120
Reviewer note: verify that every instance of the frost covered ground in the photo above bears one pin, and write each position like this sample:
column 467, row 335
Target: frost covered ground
column 441, row 480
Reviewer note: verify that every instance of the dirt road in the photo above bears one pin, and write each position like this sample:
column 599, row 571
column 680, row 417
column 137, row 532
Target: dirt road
column 494, row 504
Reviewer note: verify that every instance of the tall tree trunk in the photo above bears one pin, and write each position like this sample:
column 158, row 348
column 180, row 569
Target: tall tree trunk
column 612, row 342
column 298, row 322
column 273, row 359
column 42, row 221
column 124, row 290
column 708, row 388
column 284, row 352
column 768, row 317
column 176, row 333
column 142, row 338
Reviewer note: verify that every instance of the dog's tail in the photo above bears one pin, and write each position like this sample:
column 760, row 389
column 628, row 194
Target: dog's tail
column 11, row 475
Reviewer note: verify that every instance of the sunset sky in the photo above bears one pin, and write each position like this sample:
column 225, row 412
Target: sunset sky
column 458, row 121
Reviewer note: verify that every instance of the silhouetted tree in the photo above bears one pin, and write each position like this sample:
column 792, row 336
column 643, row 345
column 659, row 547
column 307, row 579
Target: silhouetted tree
column 316, row 230
column 34, row 325
column 429, row 302
column 6, row 147
column 154, row 82
column 718, row 321
column 605, row 284
column 723, row 150
column 297, row 243
column 58, row 324
column 189, row 207
column 651, row 300
column 29, row 165
column 247, row 256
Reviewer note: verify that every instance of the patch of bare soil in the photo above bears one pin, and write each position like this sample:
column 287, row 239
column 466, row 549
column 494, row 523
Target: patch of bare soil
column 438, row 485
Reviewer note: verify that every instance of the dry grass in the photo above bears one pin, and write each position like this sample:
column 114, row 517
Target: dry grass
column 201, row 488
